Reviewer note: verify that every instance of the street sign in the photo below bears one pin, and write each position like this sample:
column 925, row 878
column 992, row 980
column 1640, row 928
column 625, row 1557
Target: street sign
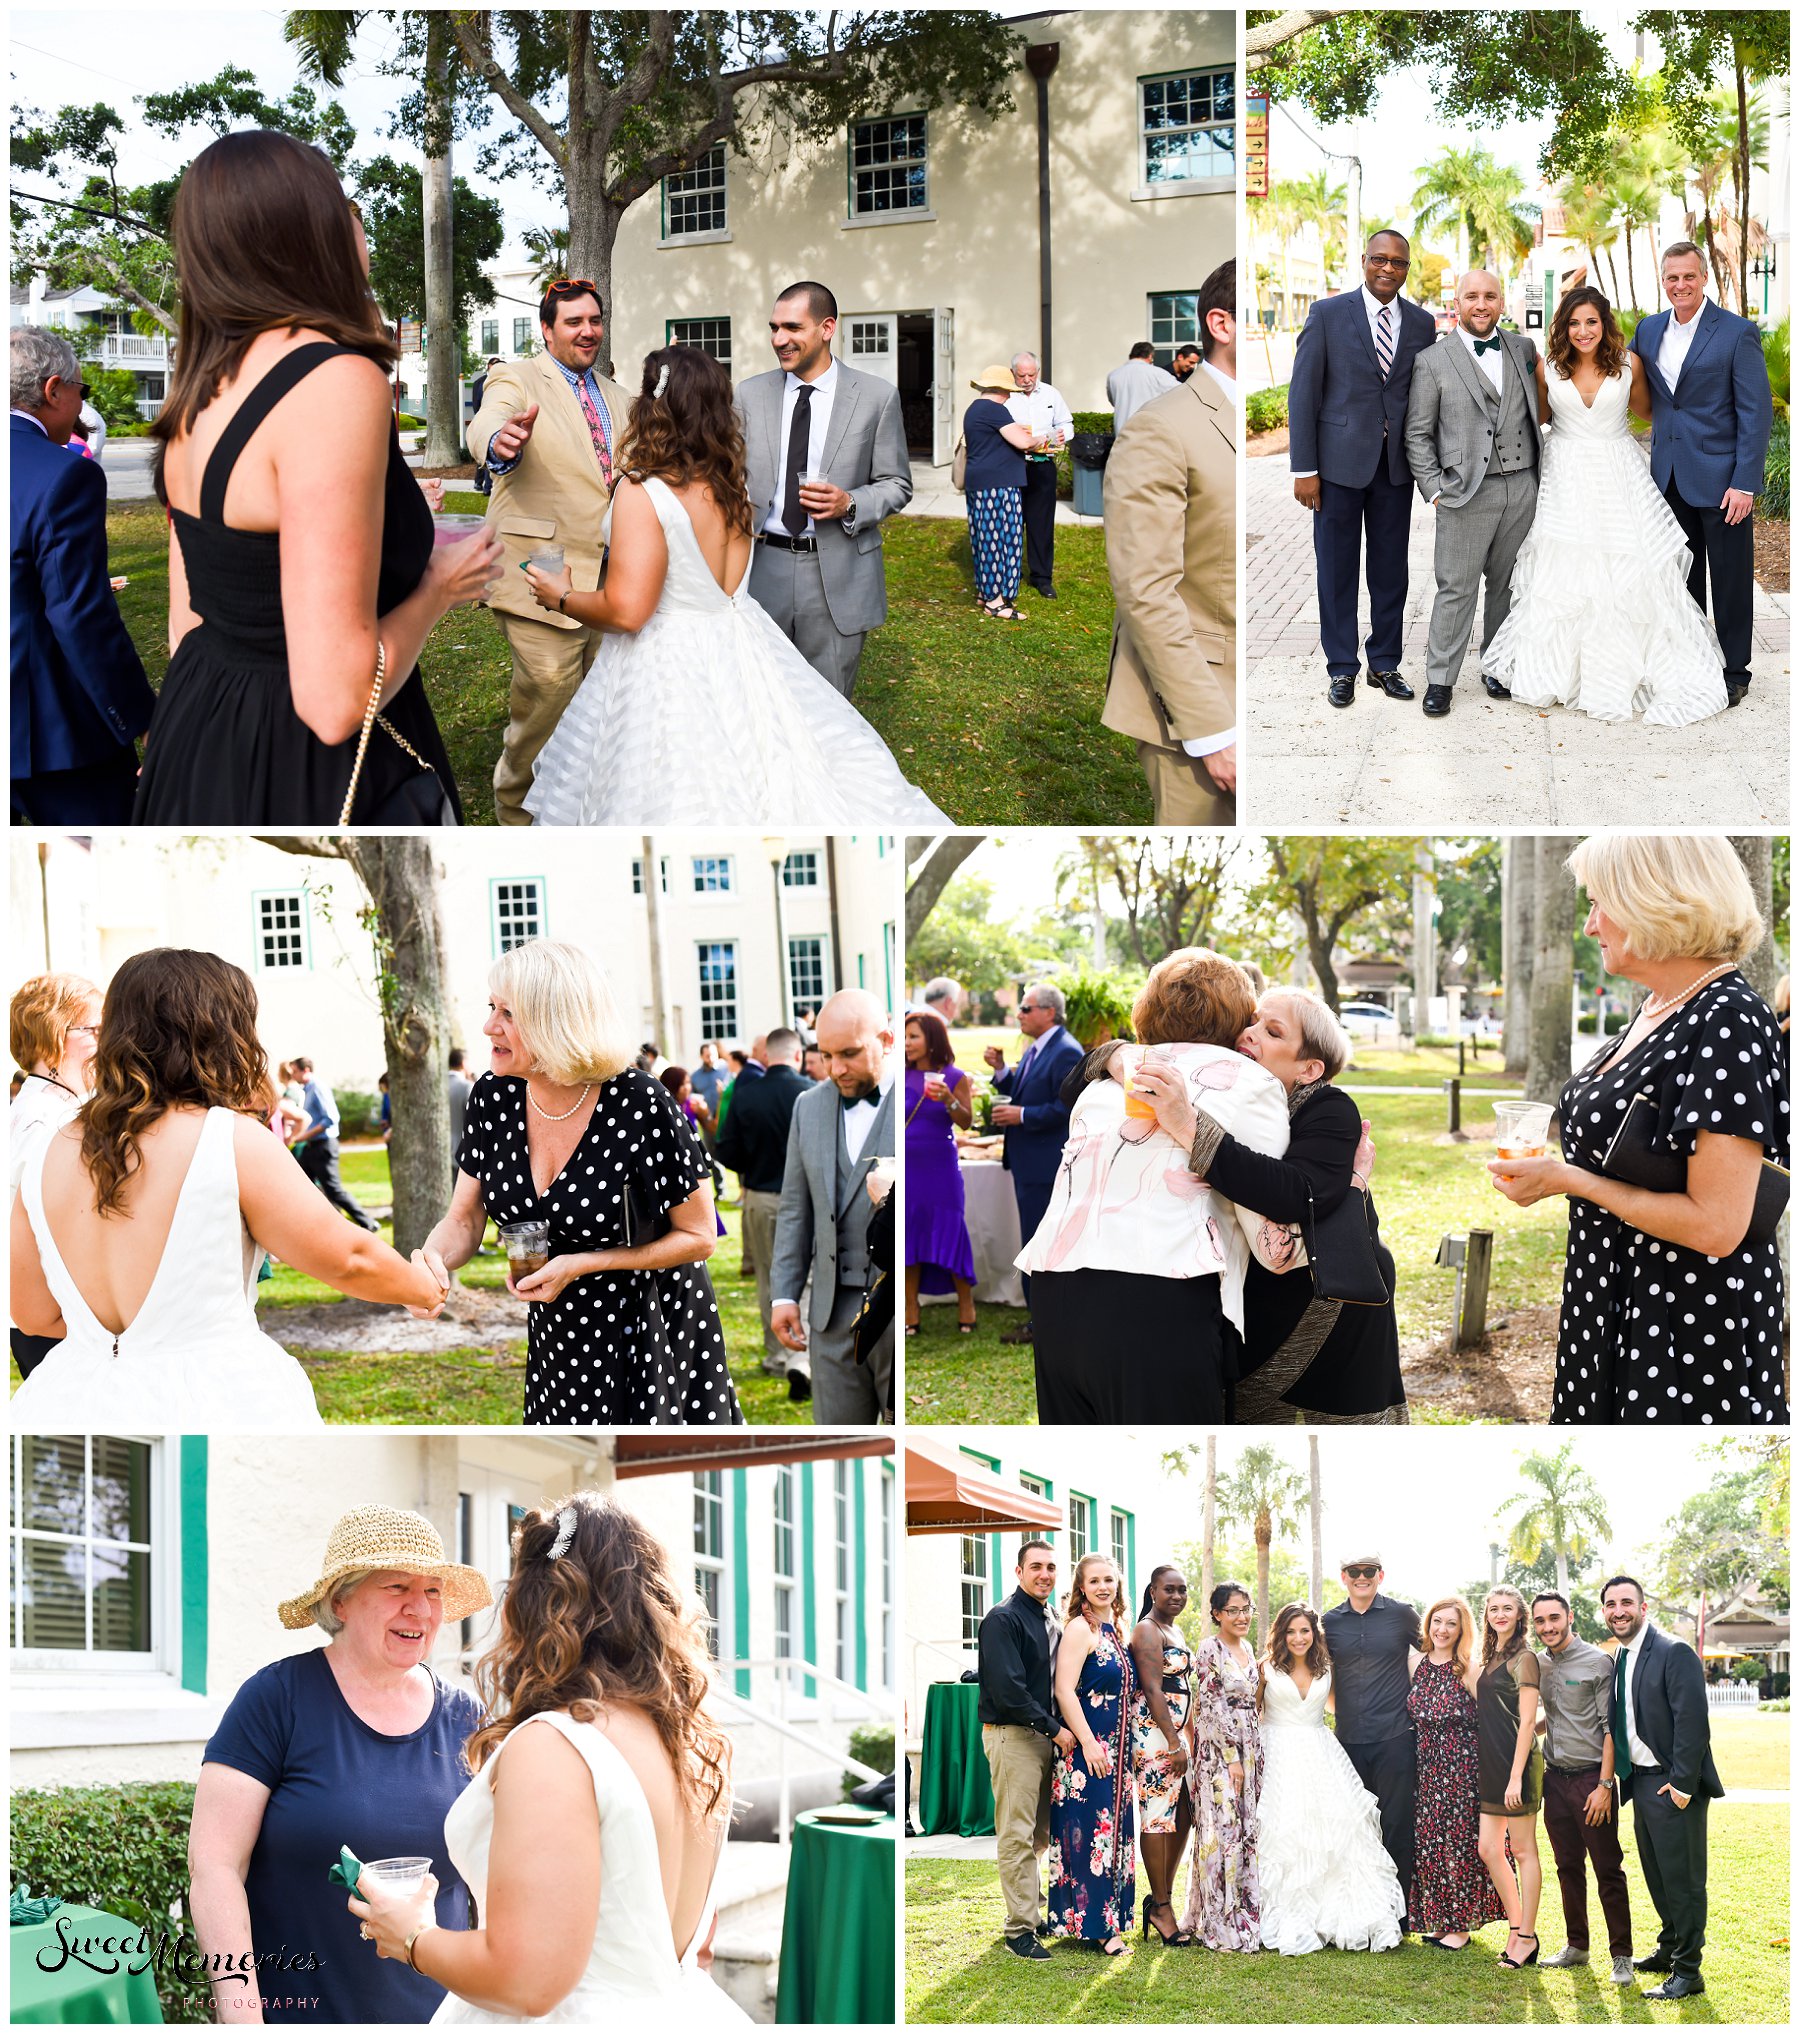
column 1256, row 144
column 412, row 336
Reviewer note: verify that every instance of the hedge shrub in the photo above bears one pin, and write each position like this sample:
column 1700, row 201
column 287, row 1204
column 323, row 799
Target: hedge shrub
column 1265, row 409
column 1773, row 501
column 871, row 1744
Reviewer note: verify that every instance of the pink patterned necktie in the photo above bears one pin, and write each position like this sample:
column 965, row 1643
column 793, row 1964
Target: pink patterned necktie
column 596, row 431
column 1384, row 340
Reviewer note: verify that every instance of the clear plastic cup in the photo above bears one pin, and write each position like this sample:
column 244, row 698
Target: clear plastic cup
column 1135, row 1104
column 527, row 1247
column 455, row 529
column 546, row 557
column 396, row 1874
column 1521, row 1130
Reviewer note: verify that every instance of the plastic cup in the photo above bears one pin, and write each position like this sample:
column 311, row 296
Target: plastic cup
column 546, row 557
column 454, row 529
column 1135, row 1104
column 527, row 1247
column 1521, row 1129
column 396, row 1874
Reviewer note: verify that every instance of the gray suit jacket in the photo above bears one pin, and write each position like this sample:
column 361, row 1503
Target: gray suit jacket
column 866, row 457
column 1449, row 430
column 825, row 1208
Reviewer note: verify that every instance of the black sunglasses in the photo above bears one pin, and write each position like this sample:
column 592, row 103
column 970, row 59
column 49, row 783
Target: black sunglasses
column 1362, row 1574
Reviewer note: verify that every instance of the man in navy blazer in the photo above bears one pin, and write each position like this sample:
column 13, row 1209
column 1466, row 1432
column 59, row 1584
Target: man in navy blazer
column 1347, row 452
column 1034, row 1115
column 1662, row 1752
column 79, row 694
column 1710, row 417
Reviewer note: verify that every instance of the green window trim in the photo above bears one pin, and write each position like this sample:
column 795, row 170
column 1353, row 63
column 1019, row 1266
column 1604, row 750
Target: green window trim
column 740, row 1585
column 859, row 1530
column 996, row 1560
column 809, row 1602
column 194, row 1563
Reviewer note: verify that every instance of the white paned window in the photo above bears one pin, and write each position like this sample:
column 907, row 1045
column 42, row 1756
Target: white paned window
column 718, row 988
column 1188, row 126
column 84, row 1562
column 694, row 200
column 887, row 166
column 281, row 928
column 518, row 912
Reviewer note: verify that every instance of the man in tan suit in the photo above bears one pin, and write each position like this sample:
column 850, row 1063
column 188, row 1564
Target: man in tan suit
column 548, row 428
column 1171, row 550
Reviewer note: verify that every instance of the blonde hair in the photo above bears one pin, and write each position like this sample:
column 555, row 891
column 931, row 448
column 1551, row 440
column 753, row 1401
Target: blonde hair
column 1675, row 896
column 558, row 994
column 1463, row 1647
column 43, row 1012
column 1490, row 1639
column 1321, row 1034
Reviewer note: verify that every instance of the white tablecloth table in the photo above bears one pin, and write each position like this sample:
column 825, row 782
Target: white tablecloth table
column 992, row 1216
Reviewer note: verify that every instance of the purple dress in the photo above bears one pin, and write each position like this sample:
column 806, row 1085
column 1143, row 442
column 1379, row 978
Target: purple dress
column 937, row 1237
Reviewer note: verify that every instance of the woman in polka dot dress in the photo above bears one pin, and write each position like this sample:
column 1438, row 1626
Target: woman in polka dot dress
column 560, row 1131
column 1668, row 1314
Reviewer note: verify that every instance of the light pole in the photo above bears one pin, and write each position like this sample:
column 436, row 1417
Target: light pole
column 775, row 848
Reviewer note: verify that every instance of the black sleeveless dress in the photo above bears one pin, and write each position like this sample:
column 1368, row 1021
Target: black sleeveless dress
column 225, row 745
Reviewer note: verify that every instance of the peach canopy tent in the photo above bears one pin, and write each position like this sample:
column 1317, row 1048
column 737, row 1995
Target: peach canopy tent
column 948, row 1496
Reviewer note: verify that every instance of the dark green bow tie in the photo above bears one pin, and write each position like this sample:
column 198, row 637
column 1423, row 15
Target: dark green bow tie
column 1487, row 345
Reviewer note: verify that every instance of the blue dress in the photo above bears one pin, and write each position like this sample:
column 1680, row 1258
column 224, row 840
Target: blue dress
column 1093, row 1821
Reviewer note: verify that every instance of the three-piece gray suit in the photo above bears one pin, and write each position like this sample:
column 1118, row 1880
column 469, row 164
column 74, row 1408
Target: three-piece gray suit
column 1475, row 449
column 826, row 599
column 823, row 1226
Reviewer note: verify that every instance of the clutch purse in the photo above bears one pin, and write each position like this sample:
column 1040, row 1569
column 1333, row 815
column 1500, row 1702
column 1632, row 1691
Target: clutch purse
column 1340, row 1251
column 1635, row 1157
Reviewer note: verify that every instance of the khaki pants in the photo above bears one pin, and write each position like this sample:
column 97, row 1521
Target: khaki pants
column 548, row 667
column 1182, row 788
column 759, row 1245
column 1019, row 1762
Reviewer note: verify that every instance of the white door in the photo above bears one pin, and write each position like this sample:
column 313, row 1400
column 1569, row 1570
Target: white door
column 871, row 341
column 943, row 387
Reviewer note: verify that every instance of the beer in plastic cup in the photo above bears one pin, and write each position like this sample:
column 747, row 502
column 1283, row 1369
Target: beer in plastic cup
column 1521, row 1129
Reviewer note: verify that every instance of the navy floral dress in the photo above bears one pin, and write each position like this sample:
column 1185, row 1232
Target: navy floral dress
column 1093, row 1822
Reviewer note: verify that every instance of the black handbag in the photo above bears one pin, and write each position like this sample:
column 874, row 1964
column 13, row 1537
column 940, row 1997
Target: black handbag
column 1635, row 1158
column 1340, row 1252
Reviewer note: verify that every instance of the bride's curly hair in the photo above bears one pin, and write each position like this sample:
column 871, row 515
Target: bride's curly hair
column 690, row 432
column 1275, row 1653
column 603, row 1623
column 1609, row 355
column 177, row 1030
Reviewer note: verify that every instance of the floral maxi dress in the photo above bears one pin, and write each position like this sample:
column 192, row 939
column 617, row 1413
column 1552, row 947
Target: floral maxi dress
column 1451, row 1891
column 1224, row 1899
column 1093, row 1824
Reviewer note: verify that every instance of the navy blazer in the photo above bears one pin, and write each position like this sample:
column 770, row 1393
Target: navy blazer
column 1711, row 431
column 1338, row 403
column 1034, row 1147
column 78, row 684
column 1668, row 1698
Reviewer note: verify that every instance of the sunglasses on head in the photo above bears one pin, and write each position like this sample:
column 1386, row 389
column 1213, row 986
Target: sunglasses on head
column 1362, row 1573
column 576, row 283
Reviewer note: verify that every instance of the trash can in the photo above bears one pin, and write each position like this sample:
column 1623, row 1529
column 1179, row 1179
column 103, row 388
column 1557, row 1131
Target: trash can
column 1088, row 451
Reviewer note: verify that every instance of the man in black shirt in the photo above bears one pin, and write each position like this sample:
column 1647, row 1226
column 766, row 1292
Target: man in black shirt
column 1019, row 1732
column 753, row 1142
column 1369, row 1639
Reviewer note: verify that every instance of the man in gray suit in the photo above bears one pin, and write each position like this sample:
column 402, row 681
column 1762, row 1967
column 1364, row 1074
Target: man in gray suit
column 827, row 464
column 1472, row 442
column 838, row 1131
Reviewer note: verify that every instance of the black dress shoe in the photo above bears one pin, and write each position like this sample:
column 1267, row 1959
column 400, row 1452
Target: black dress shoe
column 1494, row 689
column 1343, row 691
column 1735, row 691
column 1656, row 1961
column 1675, row 1987
column 1018, row 1338
column 799, row 1387
column 1029, row 1947
column 1391, row 683
column 1044, row 592
column 1437, row 700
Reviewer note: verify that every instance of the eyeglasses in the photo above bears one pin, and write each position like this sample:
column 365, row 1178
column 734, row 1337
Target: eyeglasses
column 1400, row 261
column 90, row 1030
column 1362, row 1574
column 85, row 391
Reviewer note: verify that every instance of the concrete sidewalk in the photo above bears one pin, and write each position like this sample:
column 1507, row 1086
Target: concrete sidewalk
column 1488, row 763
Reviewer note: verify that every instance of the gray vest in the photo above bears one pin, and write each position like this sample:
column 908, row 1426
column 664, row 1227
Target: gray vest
column 1514, row 420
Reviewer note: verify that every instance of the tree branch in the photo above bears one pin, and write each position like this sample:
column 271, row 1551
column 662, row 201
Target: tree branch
column 1260, row 44
column 117, row 217
column 128, row 289
column 330, row 847
column 487, row 67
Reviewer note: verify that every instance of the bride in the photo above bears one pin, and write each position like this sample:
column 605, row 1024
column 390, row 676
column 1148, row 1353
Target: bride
column 697, row 706
column 140, row 1226
column 592, row 1847
column 1601, row 617
column 1326, row 1880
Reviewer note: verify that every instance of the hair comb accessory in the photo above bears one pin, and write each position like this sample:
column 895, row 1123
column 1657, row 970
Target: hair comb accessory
column 565, row 1532
column 662, row 383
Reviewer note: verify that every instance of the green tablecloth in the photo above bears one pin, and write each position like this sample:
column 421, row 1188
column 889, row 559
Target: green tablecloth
column 68, row 1992
column 837, row 1940
column 956, row 1792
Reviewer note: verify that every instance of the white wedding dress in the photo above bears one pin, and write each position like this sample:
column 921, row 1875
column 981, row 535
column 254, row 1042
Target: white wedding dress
column 708, row 715
column 192, row 1359
column 1326, row 1881
column 1601, row 617
column 635, row 1978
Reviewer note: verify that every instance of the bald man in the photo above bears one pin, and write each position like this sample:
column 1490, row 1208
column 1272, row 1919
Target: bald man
column 1472, row 443
column 839, row 1130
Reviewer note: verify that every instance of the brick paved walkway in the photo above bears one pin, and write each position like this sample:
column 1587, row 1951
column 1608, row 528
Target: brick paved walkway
column 1488, row 763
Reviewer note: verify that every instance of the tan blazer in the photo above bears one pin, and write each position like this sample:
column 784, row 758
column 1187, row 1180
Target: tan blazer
column 555, row 493
column 1171, row 551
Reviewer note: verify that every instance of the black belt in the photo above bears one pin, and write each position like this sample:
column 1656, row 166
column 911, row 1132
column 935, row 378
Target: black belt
column 801, row 544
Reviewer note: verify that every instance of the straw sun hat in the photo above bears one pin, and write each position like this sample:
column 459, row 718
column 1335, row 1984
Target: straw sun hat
column 996, row 377
column 377, row 1536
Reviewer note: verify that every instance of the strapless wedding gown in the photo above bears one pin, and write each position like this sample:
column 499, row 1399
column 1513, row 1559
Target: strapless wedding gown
column 1601, row 617
column 709, row 715
column 634, row 1977
column 192, row 1359
column 1326, row 1881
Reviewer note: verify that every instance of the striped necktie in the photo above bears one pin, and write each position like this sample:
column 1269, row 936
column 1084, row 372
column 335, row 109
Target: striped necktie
column 1384, row 340
column 596, row 430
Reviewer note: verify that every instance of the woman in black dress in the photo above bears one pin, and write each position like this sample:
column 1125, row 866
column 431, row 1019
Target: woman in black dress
column 301, row 563
column 1668, row 1312
column 624, row 1329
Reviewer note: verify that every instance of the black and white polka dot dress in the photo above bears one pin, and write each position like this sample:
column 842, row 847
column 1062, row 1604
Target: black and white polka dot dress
column 597, row 1356
column 1650, row 1330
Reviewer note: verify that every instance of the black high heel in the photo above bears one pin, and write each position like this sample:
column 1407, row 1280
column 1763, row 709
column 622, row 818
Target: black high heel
column 1179, row 1940
column 1520, row 1962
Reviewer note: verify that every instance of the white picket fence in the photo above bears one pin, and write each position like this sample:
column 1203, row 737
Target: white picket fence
column 1731, row 1695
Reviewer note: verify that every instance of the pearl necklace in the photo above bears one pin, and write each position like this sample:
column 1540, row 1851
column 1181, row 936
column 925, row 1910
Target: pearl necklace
column 1657, row 1006
column 566, row 1114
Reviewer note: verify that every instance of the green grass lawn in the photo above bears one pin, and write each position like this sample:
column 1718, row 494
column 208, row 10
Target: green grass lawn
column 1751, row 1749
column 1424, row 1189
column 998, row 721
column 957, row 1968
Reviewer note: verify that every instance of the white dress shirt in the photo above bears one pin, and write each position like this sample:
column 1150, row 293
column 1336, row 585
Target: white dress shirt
column 1492, row 363
column 859, row 1118
column 42, row 1109
column 1641, row 1754
column 30, row 419
column 1224, row 380
column 1043, row 409
column 817, row 438
column 1677, row 338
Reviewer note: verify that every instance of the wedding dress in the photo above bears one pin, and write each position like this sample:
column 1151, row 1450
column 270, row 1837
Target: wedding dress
column 1601, row 617
column 192, row 1358
column 634, row 1963
column 1326, row 1881
column 710, row 714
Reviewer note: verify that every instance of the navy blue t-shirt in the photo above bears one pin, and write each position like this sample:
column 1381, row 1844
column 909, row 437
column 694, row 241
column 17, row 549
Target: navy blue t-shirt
column 992, row 462
column 334, row 1781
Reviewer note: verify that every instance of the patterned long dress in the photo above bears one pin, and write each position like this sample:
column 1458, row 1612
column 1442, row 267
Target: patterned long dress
column 1451, row 1892
column 1093, row 1822
column 1224, row 1898
column 1159, row 1786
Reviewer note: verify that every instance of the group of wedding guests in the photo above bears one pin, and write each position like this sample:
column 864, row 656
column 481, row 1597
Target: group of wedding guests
column 1414, row 1811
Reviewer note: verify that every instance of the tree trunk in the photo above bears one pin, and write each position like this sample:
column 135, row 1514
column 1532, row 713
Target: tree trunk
column 653, row 908
column 1630, row 273
column 931, row 877
column 1264, row 1534
column 1612, row 269
column 1762, row 969
column 1208, row 1522
column 1552, row 971
column 443, row 341
column 1518, row 881
column 1562, row 1571
column 1318, row 1549
column 593, row 229
column 1740, row 184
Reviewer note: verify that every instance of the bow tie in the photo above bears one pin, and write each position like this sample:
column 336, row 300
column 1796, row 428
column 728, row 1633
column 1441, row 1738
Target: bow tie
column 1487, row 345
column 855, row 1101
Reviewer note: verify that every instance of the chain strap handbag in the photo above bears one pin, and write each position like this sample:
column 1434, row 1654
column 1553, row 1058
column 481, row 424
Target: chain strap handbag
column 421, row 799
column 1635, row 1158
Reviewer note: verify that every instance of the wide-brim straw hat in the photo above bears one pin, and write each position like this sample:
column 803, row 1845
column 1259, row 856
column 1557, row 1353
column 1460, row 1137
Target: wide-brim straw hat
column 997, row 377
column 377, row 1536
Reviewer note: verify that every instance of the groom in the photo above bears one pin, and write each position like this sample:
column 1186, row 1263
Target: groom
column 1710, row 418
column 1472, row 440
column 826, row 460
column 1369, row 1639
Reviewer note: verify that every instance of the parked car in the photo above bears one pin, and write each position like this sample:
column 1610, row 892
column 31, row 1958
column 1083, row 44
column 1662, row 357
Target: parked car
column 1373, row 1021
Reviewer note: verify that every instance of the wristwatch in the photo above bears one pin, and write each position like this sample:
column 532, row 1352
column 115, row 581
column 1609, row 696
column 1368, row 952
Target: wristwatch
column 848, row 519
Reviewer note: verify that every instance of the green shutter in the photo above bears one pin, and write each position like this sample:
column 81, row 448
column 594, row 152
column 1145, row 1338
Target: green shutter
column 740, row 1577
column 860, row 1544
column 193, row 1563
column 809, row 1581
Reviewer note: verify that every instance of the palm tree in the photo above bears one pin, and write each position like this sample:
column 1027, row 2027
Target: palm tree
column 548, row 247
column 1467, row 189
column 1264, row 1493
column 1589, row 219
column 1318, row 1550
column 1564, row 1511
column 1275, row 215
column 1651, row 166
column 1208, row 1520
column 1320, row 205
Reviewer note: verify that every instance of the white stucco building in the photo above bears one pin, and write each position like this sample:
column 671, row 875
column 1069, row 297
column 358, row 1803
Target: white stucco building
column 100, row 329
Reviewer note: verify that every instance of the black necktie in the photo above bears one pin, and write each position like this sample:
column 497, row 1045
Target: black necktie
column 799, row 442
